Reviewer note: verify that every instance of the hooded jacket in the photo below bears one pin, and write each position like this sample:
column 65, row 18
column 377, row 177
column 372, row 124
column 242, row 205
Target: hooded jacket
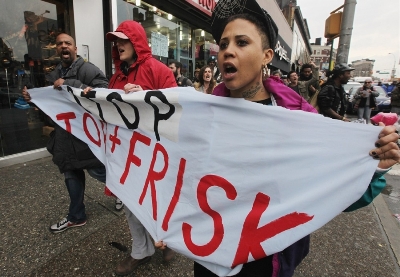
column 146, row 71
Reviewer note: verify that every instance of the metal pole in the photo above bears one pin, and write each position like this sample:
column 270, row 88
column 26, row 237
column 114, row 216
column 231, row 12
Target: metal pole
column 394, row 66
column 346, row 30
column 330, row 55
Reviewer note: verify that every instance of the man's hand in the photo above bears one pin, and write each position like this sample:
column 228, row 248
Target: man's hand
column 312, row 64
column 312, row 88
column 26, row 95
column 58, row 83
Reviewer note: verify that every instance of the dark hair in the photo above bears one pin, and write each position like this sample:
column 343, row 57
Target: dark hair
column 212, row 81
column 333, row 74
column 73, row 40
column 177, row 65
column 304, row 66
column 262, row 30
column 290, row 73
column 276, row 72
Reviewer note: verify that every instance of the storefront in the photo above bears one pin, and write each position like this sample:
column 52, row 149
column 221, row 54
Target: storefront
column 176, row 30
column 171, row 36
column 27, row 42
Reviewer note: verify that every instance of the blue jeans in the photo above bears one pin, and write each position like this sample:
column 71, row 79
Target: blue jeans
column 75, row 182
column 364, row 112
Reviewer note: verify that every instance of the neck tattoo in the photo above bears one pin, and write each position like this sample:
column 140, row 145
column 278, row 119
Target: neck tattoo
column 251, row 92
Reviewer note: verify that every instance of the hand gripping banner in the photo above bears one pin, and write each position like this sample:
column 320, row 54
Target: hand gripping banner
column 223, row 181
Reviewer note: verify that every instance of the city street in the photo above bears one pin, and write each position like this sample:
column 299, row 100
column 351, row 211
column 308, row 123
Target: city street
column 33, row 196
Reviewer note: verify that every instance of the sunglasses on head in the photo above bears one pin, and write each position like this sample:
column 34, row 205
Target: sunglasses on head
column 368, row 82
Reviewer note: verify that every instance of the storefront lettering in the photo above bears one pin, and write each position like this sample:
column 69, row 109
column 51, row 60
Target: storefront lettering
column 208, row 4
column 282, row 52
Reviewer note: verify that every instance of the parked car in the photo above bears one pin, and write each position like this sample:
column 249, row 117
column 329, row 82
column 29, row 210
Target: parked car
column 382, row 102
column 350, row 85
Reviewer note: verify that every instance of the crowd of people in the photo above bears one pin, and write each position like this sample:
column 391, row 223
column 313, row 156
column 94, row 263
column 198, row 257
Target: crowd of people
column 246, row 43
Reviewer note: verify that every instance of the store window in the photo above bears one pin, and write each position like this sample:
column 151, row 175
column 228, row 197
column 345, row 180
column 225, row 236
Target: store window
column 27, row 43
column 205, row 47
column 169, row 37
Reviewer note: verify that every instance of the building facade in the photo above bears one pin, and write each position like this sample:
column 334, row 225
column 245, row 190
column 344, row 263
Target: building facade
column 363, row 68
column 321, row 54
column 176, row 30
column 301, row 48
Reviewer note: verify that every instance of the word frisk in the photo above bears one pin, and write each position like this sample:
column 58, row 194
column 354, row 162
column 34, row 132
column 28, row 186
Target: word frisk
column 252, row 236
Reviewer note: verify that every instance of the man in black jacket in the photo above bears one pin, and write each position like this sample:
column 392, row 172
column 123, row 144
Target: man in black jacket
column 332, row 97
column 70, row 154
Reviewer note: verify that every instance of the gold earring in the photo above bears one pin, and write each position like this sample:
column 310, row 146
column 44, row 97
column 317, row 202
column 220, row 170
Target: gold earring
column 264, row 71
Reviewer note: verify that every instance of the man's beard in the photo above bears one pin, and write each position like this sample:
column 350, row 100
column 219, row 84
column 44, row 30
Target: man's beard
column 304, row 78
column 175, row 73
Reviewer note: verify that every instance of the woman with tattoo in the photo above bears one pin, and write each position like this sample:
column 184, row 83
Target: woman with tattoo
column 246, row 35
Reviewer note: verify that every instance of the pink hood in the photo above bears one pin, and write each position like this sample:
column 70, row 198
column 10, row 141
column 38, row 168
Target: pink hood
column 284, row 96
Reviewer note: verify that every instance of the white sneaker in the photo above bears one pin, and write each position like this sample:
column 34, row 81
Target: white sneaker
column 118, row 204
column 64, row 224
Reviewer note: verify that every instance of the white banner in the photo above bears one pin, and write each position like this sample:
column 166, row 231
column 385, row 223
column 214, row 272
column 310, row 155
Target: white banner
column 223, row 181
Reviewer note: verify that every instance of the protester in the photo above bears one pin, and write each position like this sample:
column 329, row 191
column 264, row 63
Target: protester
column 285, row 80
column 332, row 97
column 383, row 86
column 391, row 87
column 277, row 73
column 245, row 41
column 395, row 100
column 306, row 74
column 196, row 76
column 181, row 81
column 137, row 70
column 212, row 62
column 70, row 154
column 301, row 87
column 365, row 100
column 206, row 80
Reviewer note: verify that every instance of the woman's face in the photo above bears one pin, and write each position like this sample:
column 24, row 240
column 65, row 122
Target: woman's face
column 207, row 74
column 241, row 56
column 125, row 50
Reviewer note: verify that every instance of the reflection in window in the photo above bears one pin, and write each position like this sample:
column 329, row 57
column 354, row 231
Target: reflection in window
column 28, row 30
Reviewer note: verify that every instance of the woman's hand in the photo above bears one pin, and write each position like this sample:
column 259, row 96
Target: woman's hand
column 387, row 150
column 132, row 88
column 160, row 244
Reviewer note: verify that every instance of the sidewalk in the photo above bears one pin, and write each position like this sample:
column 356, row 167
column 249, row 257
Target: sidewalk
column 33, row 196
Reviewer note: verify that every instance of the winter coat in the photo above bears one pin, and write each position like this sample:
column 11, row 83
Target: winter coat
column 395, row 97
column 304, row 85
column 146, row 71
column 285, row 262
column 69, row 152
column 363, row 100
column 332, row 97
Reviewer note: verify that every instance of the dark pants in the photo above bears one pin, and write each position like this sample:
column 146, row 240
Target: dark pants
column 75, row 182
column 259, row 268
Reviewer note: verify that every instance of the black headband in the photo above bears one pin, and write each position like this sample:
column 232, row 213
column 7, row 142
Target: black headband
column 226, row 8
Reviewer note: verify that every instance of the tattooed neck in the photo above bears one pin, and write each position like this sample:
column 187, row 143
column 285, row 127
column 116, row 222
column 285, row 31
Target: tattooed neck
column 251, row 92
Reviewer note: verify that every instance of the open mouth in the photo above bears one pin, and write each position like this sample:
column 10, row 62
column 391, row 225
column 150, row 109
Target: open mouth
column 120, row 51
column 230, row 69
column 65, row 54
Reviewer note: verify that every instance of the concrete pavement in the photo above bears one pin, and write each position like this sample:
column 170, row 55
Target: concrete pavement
column 33, row 196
